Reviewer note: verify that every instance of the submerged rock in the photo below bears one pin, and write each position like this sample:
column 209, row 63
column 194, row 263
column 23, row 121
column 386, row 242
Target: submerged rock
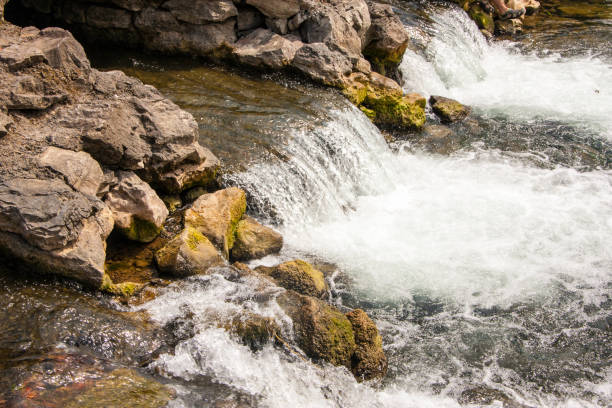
column 369, row 360
column 216, row 215
column 299, row 276
column 189, row 253
column 321, row 330
column 448, row 110
column 138, row 212
column 254, row 240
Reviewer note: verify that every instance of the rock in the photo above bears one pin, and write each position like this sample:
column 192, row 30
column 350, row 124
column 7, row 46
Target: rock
column 189, row 253
column 448, row 110
column 106, row 17
column 322, row 64
column 201, row 11
column 138, row 212
column 52, row 46
column 321, row 331
column 530, row 6
column 296, row 21
column 276, row 8
column 194, row 193
column 487, row 396
column 5, row 123
column 277, row 25
column 387, row 39
column 369, row 360
column 440, row 139
column 264, row 49
column 483, row 20
column 47, row 224
column 79, row 169
column 216, row 215
column 249, row 18
column 341, row 25
column 390, row 108
column 173, row 202
column 253, row 330
column 508, row 27
column 299, row 276
column 27, row 92
column 254, row 240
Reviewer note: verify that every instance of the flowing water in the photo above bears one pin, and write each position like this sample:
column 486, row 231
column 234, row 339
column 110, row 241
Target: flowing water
column 487, row 270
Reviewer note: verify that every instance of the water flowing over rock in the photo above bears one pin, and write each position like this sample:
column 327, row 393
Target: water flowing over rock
column 88, row 124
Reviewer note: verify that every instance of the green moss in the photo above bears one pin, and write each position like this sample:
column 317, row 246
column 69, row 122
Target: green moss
column 141, row 230
column 369, row 113
column 395, row 111
column 237, row 210
column 341, row 339
column 317, row 276
column 483, row 20
column 194, row 238
column 356, row 93
column 119, row 289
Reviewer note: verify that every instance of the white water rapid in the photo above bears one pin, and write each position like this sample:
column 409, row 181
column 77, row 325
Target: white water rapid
column 473, row 265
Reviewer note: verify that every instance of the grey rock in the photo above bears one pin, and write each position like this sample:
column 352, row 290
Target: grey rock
column 277, row 25
column 189, row 253
column 201, row 11
column 106, row 17
column 322, row 64
column 276, row 8
column 263, row 48
column 79, row 169
column 387, row 38
column 5, row 122
column 138, row 211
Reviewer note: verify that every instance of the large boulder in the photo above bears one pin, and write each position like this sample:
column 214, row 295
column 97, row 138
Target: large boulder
column 216, row 215
column 322, row 64
column 78, row 169
column 201, row 11
column 254, row 240
column 387, row 39
column 299, row 276
column 189, row 253
column 265, row 49
column 138, row 211
column 369, row 360
column 342, row 25
column 49, row 225
column 448, row 110
column 321, row 331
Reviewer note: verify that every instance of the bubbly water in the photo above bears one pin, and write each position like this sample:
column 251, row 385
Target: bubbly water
column 479, row 269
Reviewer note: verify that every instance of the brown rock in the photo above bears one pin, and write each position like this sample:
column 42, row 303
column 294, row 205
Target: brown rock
column 78, row 169
column 254, row 240
column 299, row 276
column 216, row 215
column 249, row 18
column 201, row 11
column 369, row 360
column 322, row 64
column 276, row 8
column 189, row 253
column 448, row 110
column 262, row 48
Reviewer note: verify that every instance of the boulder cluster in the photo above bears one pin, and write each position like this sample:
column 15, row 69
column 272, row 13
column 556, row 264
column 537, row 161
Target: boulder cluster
column 490, row 24
column 349, row 44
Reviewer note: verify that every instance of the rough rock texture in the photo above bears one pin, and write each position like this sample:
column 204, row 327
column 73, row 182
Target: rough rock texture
column 299, row 276
column 491, row 23
column 253, row 330
column 369, row 360
column 188, row 253
column 448, row 110
column 387, row 39
column 254, row 240
column 216, row 215
column 67, row 129
column 264, row 49
column 138, row 212
column 321, row 330
column 78, row 169
column 326, row 41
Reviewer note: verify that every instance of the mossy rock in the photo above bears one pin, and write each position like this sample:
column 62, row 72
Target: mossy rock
column 253, row 330
column 141, row 230
column 189, row 253
column 254, row 241
column 125, row 289
column 391, row 110
column 216, row 216
column 299, row 276
column 369, row 360
column 482, row 19
column 448, row 110
column 173, row 202
column 321, row 330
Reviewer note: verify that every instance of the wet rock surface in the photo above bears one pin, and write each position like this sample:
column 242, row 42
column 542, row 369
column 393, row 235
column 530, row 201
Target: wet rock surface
column 299, row 276
column 254, row 240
